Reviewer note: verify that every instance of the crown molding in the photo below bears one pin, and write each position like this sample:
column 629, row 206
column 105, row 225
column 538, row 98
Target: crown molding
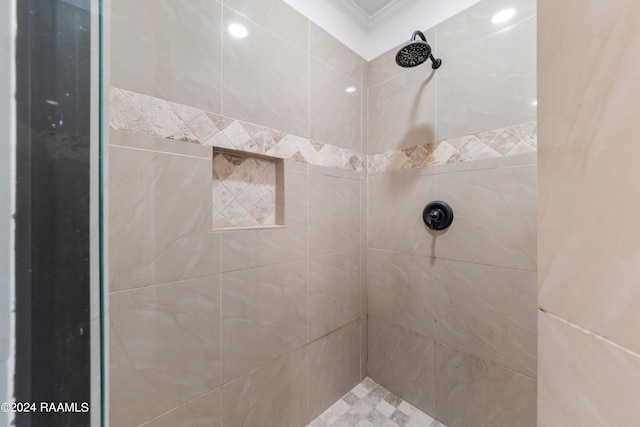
column 369, row 23
column 354, row 12
column 388, row 12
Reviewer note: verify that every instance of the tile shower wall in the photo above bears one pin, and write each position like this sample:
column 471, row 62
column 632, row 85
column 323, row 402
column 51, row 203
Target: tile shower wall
column 487, row 81
column 235, row 327
column 452, row 314
column 589, row 368
column 208, row 323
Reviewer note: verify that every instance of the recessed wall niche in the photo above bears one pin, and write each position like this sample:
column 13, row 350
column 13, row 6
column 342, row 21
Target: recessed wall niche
column 247, row 190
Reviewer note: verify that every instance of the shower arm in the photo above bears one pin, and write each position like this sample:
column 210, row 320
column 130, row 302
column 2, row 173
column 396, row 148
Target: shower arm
column 424, row 39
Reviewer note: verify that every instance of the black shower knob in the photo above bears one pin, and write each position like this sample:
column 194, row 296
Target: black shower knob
column 437, row 215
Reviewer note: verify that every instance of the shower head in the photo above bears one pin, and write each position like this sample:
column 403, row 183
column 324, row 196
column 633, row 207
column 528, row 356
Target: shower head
column 416, row 52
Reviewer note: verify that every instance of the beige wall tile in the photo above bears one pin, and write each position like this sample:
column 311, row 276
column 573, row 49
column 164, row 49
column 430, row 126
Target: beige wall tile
column 168, row 146
column 488, row 311
column 276, row 392
column 159, row 218
column 334, row 215
column 402, row 362
column 585, row 380
column 252, row 248
column 494, row 217
column 489, row 84
column 401, row 290
column 264, row 315
column 169, row 49
column 326, row 48
column 255, row 70
column 472, row 392
column 335, row 115
column 164, row 347
column 202, row 412
column 334, row 292
column 474, row 23
column 588, row 149
column 277, row 17
column 402, row 111
column 334, row 367
column 395, row 214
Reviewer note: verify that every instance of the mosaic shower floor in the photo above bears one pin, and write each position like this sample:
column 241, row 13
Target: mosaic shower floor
column 370, row 405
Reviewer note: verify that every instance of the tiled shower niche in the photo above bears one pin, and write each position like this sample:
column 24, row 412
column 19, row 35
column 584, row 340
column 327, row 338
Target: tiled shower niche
column 247, row 190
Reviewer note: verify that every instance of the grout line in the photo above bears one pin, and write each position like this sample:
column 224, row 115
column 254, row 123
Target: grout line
column 180, row 406
column 148, row 150
column 173, row 282
column 436, row 341
column 451, row 259
column 588, row 332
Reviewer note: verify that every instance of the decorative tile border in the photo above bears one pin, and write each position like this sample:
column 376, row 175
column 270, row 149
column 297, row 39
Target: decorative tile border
column 144, row 114
column 519, row 139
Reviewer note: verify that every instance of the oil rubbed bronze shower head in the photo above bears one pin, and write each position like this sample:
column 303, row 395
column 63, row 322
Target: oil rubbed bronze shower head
column 416, row 52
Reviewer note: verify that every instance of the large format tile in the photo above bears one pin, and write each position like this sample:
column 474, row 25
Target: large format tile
column 588, row 151
column 335, row 115
column 474, row 23
column 159, row 218
column 403, row 362
column 472, row 392
column 326, row 48
column 401, row 289
column 276, row 16
column 488, row 311
column 264, row 315
column 402, row 111
column 252, row 248
column 494, row 217
column 164, row 348
column 490, row 84
column 169, row 49
column 334, row 215
column 334, row 292
column 334, row 366
column 395, row 214
column 202, row 412
column 255, row 69
column 275, row 394
column 585, row 380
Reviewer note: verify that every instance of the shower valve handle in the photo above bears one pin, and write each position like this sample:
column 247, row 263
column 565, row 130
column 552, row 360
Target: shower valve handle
column 437, row 215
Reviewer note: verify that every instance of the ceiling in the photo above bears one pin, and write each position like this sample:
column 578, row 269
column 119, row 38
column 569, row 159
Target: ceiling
column 369, row 14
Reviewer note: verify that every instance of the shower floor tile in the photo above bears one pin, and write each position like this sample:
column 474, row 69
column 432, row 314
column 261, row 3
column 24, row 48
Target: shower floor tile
column 370, row 405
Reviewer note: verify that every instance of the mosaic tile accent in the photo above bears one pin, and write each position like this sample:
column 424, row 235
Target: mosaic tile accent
column 134, row 112
column 244, row 191
column 519, row 139
column 144, row 114
column 370, row 405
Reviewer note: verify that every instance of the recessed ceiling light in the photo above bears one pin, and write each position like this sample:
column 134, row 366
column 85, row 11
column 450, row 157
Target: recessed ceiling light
column 238, row 31
column 51, row 102
column 535, row 102
column 350, row 89
column 503, row 16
